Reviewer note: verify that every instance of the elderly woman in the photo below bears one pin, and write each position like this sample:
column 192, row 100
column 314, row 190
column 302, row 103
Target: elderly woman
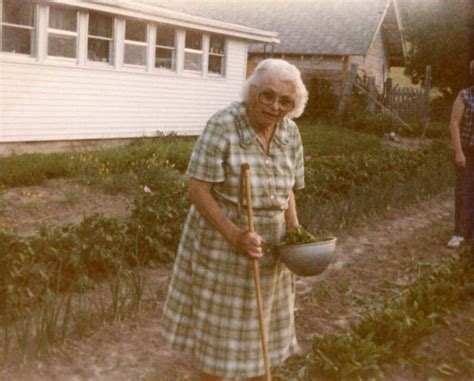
column 211, row 307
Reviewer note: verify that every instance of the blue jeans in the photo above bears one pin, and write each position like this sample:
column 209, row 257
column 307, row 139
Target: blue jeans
column 468, row 200
column 458, row 200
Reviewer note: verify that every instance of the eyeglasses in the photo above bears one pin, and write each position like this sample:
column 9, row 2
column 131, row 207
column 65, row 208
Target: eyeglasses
column 268, row 98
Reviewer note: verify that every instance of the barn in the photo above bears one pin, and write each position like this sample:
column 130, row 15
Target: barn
column 322, row 37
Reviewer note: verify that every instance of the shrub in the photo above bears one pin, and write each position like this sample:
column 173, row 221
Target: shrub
column 322, row 100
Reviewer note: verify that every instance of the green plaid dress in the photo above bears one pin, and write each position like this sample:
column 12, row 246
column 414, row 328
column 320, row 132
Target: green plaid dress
column 211, row 307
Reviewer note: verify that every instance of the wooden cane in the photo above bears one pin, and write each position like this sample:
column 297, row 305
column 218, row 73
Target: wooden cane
column 256, row 273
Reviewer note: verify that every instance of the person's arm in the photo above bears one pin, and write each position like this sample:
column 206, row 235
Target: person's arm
column 291, row 216
column 456, row 117
column 245, row 241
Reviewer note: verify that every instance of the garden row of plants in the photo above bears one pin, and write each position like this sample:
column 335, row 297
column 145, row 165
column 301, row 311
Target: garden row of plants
column 138, row 159
column 340, row 189
column 388, row 333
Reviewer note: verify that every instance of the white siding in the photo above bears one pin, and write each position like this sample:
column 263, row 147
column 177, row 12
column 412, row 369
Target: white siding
column 41, row 102
column 375, row 63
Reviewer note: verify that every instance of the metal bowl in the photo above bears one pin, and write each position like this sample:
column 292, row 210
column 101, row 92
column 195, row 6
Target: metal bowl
column 308, row 259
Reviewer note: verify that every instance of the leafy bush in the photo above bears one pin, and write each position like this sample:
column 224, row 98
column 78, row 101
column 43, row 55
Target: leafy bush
column 387, row 332
column 328, row 177
column 21, row 278
column 158, row 217
column 322, row 100
column 77, row 256
column 440, row 109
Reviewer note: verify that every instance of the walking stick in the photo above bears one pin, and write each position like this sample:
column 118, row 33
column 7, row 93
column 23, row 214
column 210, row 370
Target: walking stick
column 256, row 273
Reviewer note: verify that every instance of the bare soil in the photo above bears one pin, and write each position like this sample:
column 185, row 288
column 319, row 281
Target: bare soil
column 57, row 202
column 371, row 259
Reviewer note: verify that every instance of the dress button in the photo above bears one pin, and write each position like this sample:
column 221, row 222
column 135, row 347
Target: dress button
column 272, row 196
column 267, row 162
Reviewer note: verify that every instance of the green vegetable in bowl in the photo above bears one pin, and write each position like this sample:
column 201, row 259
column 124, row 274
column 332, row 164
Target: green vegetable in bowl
column 299, row 235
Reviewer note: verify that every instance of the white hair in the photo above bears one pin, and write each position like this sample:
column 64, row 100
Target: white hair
column 283, row 71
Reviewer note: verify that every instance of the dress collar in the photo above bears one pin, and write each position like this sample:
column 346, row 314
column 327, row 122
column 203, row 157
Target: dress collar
column 248, row 134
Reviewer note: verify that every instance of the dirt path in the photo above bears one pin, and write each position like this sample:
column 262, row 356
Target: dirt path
column 370, row 260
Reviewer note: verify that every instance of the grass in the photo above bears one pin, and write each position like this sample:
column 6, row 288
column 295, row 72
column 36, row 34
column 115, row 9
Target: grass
column 124, row 169
column 399, row 78
column 321, row 138
column 94, row 167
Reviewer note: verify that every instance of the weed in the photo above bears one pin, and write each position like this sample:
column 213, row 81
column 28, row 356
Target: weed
column 70, row 197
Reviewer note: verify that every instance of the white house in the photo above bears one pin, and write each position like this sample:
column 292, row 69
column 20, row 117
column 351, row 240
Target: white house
column 76, row 70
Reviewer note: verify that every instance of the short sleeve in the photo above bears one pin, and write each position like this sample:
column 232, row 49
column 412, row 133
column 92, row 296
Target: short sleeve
column 464, row 97
column 299, row 162
column 207, row 158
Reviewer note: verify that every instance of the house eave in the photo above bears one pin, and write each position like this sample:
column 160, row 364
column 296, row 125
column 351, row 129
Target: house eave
column 167, row 16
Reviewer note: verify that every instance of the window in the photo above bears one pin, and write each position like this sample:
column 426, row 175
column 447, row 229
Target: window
column 216, row 55
column 17, row 26
column 62, row 32
column 165, row 50
column 135, row 43
column 193, row 51
column 100, row 42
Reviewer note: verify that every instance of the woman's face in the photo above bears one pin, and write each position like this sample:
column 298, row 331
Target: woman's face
column 270, row 101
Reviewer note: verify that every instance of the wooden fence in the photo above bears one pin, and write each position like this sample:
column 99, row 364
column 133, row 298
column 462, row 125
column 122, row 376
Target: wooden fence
column 408, row 103
column 408, row 106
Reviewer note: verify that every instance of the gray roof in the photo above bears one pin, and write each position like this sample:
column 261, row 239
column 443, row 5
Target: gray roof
column 321, row 27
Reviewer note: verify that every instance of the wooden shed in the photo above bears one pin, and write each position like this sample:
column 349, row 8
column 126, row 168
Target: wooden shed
column 321, row 37
column 80, row 70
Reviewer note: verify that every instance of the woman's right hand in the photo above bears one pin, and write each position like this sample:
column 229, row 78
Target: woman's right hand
column 249, row 244
column 460, row 159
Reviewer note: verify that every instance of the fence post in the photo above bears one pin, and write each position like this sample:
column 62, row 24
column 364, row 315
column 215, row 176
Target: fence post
column 347, row 91
column 426, row 95
column 388, row 93
column 373, row 92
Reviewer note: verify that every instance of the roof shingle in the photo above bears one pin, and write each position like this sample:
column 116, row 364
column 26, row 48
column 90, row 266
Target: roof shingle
column 322, row 27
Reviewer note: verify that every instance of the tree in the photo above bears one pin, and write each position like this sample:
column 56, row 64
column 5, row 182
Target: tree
column 437, row 34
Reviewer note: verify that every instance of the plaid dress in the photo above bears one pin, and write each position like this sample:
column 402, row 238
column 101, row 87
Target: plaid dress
column 211, row 306
column 467, row 128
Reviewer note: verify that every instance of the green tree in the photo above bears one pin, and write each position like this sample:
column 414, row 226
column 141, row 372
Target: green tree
column 437, row 34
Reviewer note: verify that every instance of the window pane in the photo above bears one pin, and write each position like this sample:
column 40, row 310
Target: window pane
column 165, row 58
column 16, row 40
column 193, row 61
column 135, row 55
column 216, row 45
column 99, row 50
column 135, row 31
column 215, row 64
column 63, row 18
column 62, row 46
column 100, row 25
column 18, row 12
column 165, row 35
column 193, row 40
